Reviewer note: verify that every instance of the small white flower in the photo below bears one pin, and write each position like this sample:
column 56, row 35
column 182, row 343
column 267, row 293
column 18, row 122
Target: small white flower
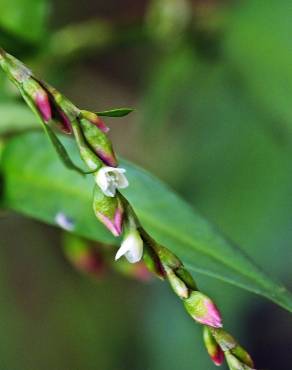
column 109, row 179
column 131, row 247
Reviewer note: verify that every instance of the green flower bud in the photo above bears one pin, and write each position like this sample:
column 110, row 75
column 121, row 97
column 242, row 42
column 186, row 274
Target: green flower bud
column 178, row 286
column 109, row 210
column 241, row 354
column 213, row 349
column 235, row 364
column 95, row 120
column 203, row 310
column 224, row 339
column 167, row 258
column 186, row 277
column 38, row 95
column 99, row 143
column 229, row 344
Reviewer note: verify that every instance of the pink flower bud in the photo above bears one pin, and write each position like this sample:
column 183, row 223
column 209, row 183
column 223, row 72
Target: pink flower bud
column 64, row 122
column 95, row 120
column 109, row 211
column 114, row 225
column 203, row 310
column 43, row 104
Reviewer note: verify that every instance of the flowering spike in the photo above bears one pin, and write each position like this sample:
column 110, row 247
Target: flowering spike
column 95, row 120
column 213, row 349
column 109, row 179
column 109, row 211
column 99, row 142
column 203, row 310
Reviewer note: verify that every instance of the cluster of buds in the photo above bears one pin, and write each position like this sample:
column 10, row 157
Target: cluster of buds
column 114, row 211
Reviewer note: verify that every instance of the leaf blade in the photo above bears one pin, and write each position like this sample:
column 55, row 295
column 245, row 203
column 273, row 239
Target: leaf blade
column 42, row 194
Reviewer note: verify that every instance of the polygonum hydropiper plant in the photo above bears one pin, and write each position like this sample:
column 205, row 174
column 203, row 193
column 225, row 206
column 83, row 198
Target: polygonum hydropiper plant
column 112, row 208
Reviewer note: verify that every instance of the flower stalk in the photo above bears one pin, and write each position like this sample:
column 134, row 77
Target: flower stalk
column 115, row 212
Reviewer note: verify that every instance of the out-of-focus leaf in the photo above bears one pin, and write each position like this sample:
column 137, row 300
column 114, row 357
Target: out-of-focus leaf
column 258, row 45
column 15, row 118
column 36, row 184
column 119, row 112
column 24, row 18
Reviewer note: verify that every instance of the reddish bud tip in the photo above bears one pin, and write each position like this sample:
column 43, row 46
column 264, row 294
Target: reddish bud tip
column 108, row 158
column 95, row 120
column 218, row 358
column 115, row 225
column 213, row 348
column 65, row 122
column 43, row 104
column 212, row 316
column 102, row 126
column 203, row 310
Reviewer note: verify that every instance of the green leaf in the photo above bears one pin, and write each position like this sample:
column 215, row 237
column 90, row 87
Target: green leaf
column 119, row 112
column 36, row 184
column 16, row 118
column 260, row 36
column 24, row 18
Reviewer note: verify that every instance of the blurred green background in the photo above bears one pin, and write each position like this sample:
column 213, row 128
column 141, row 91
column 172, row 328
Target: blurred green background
column 211, row 82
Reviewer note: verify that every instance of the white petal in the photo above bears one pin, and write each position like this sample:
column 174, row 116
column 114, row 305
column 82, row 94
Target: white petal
column 110, row 191
column 134, row 255
column 132, row 247
column 122, row 181
column 123, row 250
column 101, row 179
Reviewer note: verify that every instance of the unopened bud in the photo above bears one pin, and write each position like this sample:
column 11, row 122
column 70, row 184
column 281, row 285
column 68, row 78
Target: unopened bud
column 39, row 96
column 224, row 339
column 228, row 343
column 213, row 349
column 151, row 260
column 203, row 310
column 241, row 354
column 109, row 211
column 168, row 259
column 95, row 120
column 177, row 284
column 186, row 277
column 99, row 143
column 235, row 364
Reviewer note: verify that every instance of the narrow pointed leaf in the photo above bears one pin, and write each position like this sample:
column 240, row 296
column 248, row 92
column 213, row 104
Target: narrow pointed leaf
column 38, row 185
column 119, row 112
